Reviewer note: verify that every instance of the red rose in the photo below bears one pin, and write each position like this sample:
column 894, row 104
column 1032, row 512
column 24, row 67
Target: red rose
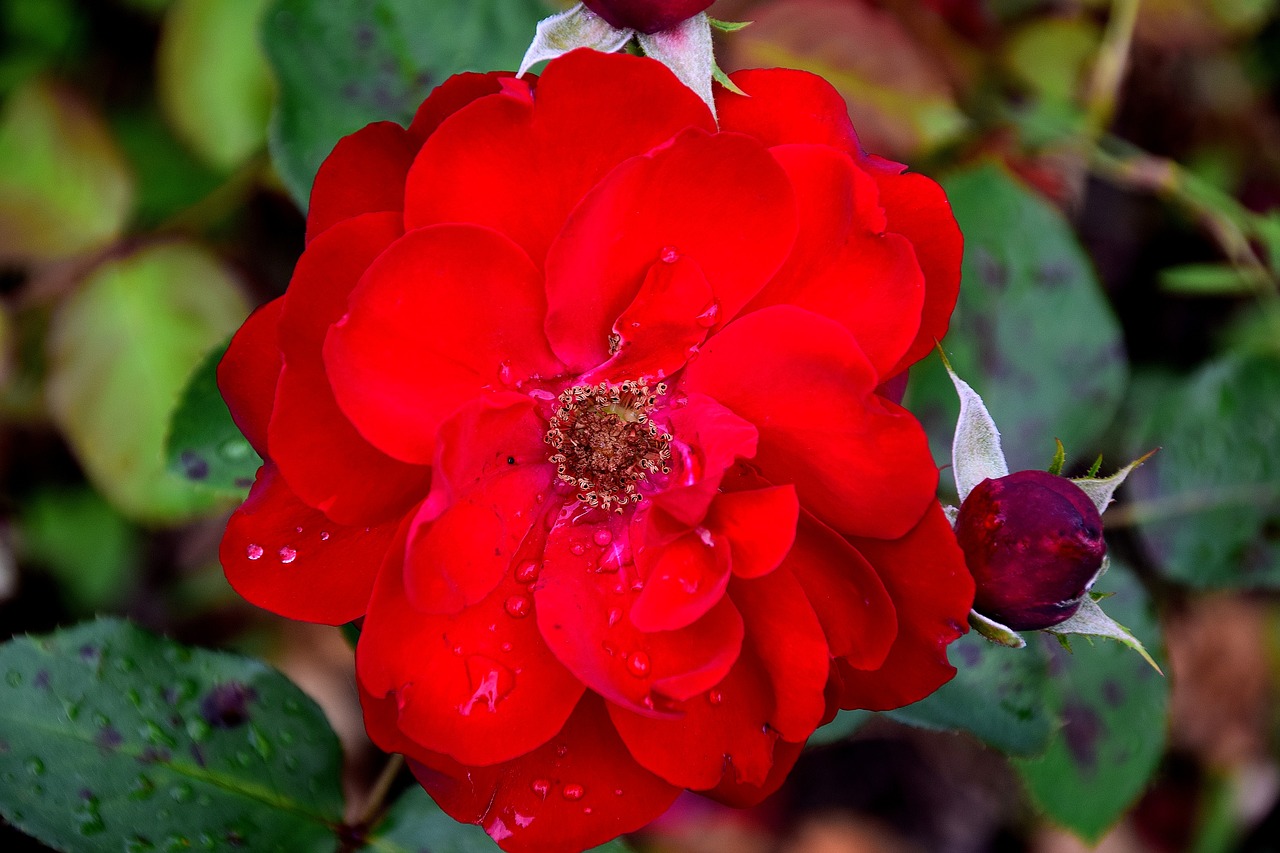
column 1034, row 544
column 573, row 398
column 647, row 16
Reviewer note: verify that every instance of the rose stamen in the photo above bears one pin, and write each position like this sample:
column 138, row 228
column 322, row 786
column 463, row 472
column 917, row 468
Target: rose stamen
column 604, row 442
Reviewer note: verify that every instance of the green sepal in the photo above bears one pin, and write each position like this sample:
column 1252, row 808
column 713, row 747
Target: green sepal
column 728, row 26
column 1059, row 458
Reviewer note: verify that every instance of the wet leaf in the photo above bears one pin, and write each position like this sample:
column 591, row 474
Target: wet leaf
column 1026, row 279
column 343, row 65
column 998, row 694
column 1113, row 708
column 120, row 350
column 214, row 83
column 113, row 739
column 204, row 446
column 898, row 96
column 73, row 192
column 1208, row 504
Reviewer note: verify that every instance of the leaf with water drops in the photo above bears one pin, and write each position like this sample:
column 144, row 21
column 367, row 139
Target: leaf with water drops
column 112, row 738
column 415, row 824
column 204, row 446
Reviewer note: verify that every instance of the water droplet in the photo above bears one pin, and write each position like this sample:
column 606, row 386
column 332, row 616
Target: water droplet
column 288, row 555
column 236, row 448
column 504, row 373
column 198, row 730
column 615, row 613
column 638, row 664
column 134, row 697
column 715, row 697
column 586, row 810
column 562, row 750
column 518, row 606
column 617, row 792
column 181, row 793
column 457, row 650
column 253, row 552
column 35, row 766
column 528, row 572
column 615, row 557
column 578, row 549
column 708, row 318
column 573, row 792
column 138, row 844
column 324, row 536
column 603, row 536
column 490, row 682
column 506, row 647
column 541, row 787
column 260, row 743
column 297, row 530
column 669, row 255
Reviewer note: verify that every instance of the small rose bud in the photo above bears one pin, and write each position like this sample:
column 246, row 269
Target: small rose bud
column 1033, row 542
column 647, row 16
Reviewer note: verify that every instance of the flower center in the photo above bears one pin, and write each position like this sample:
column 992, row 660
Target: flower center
column 604, row 442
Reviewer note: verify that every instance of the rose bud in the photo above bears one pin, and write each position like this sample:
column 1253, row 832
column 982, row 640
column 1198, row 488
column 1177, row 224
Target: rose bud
column 647, row 16
column 1033, row 542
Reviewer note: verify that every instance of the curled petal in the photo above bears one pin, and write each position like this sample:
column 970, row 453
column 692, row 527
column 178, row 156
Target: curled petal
column 452, row 95
column 925, row 574
column 365, row 173
column 585, row 595
column 859, row 462
column 288, row 558
column 683, row 579
column 249, row 371
column 708, row 440
column 443, row 314
column 581, row 789
column 326, row 462
column 480, row 686
column 759, row 524
column 684, row 200
column 499, row 158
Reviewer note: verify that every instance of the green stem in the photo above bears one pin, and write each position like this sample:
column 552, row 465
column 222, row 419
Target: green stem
column 1109, row 69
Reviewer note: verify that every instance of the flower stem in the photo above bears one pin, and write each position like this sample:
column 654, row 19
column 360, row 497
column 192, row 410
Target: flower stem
column 375, row 804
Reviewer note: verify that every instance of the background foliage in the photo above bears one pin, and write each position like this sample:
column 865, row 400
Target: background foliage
column 1115, row 165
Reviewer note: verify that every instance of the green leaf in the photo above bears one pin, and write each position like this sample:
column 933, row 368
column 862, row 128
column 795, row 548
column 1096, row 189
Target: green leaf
column 205, row 445
column 1052, row 55
column 1025, row 278
column 214, row 84
column 1113, row 711
column 169, row 177
column 96, row 566
column 415, row 823
column 73, row 192
column 842, row 727
column 1207, row 505
column 120, row 350
column 998, row 694
column 343, row 65
column 113, row 739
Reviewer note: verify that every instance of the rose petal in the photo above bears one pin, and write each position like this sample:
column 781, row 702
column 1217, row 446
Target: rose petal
column 452, row 95
column 491, row 434
column 684, row 200
column 585, row 595
column 759, row 524
column 925, row 574
column 456, row 559
column 499, row 158
column 708, row 439
column 683, row 579
column 442, row 314
column 740, row 795
column 843, row 266
column 326, row 462
column 722, row 733
column 662, row 326
column 288, row 558
column 249, row 371
column 480, row 685
column 365, row 173
column 784, row 632
column 785, row 106
column 858, row 461
column 857, row 613
column 580, row 790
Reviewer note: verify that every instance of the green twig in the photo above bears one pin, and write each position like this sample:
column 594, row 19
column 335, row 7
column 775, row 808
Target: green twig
column 1108, row 71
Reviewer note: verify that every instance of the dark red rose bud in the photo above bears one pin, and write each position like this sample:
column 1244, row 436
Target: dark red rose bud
column 1033, row 542
column 647, row 16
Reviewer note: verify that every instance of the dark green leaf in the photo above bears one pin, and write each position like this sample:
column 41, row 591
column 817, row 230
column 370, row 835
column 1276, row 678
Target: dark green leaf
column 96, row 565
column 1208, row 503
column 112, row 739
column 843, row 726
column 416, row 825
column 1026, row 279
column 169, row 178
column 343, row 65
column 1112, row 706
column 998, row 694
column 205, row 446
column 1212, row 280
